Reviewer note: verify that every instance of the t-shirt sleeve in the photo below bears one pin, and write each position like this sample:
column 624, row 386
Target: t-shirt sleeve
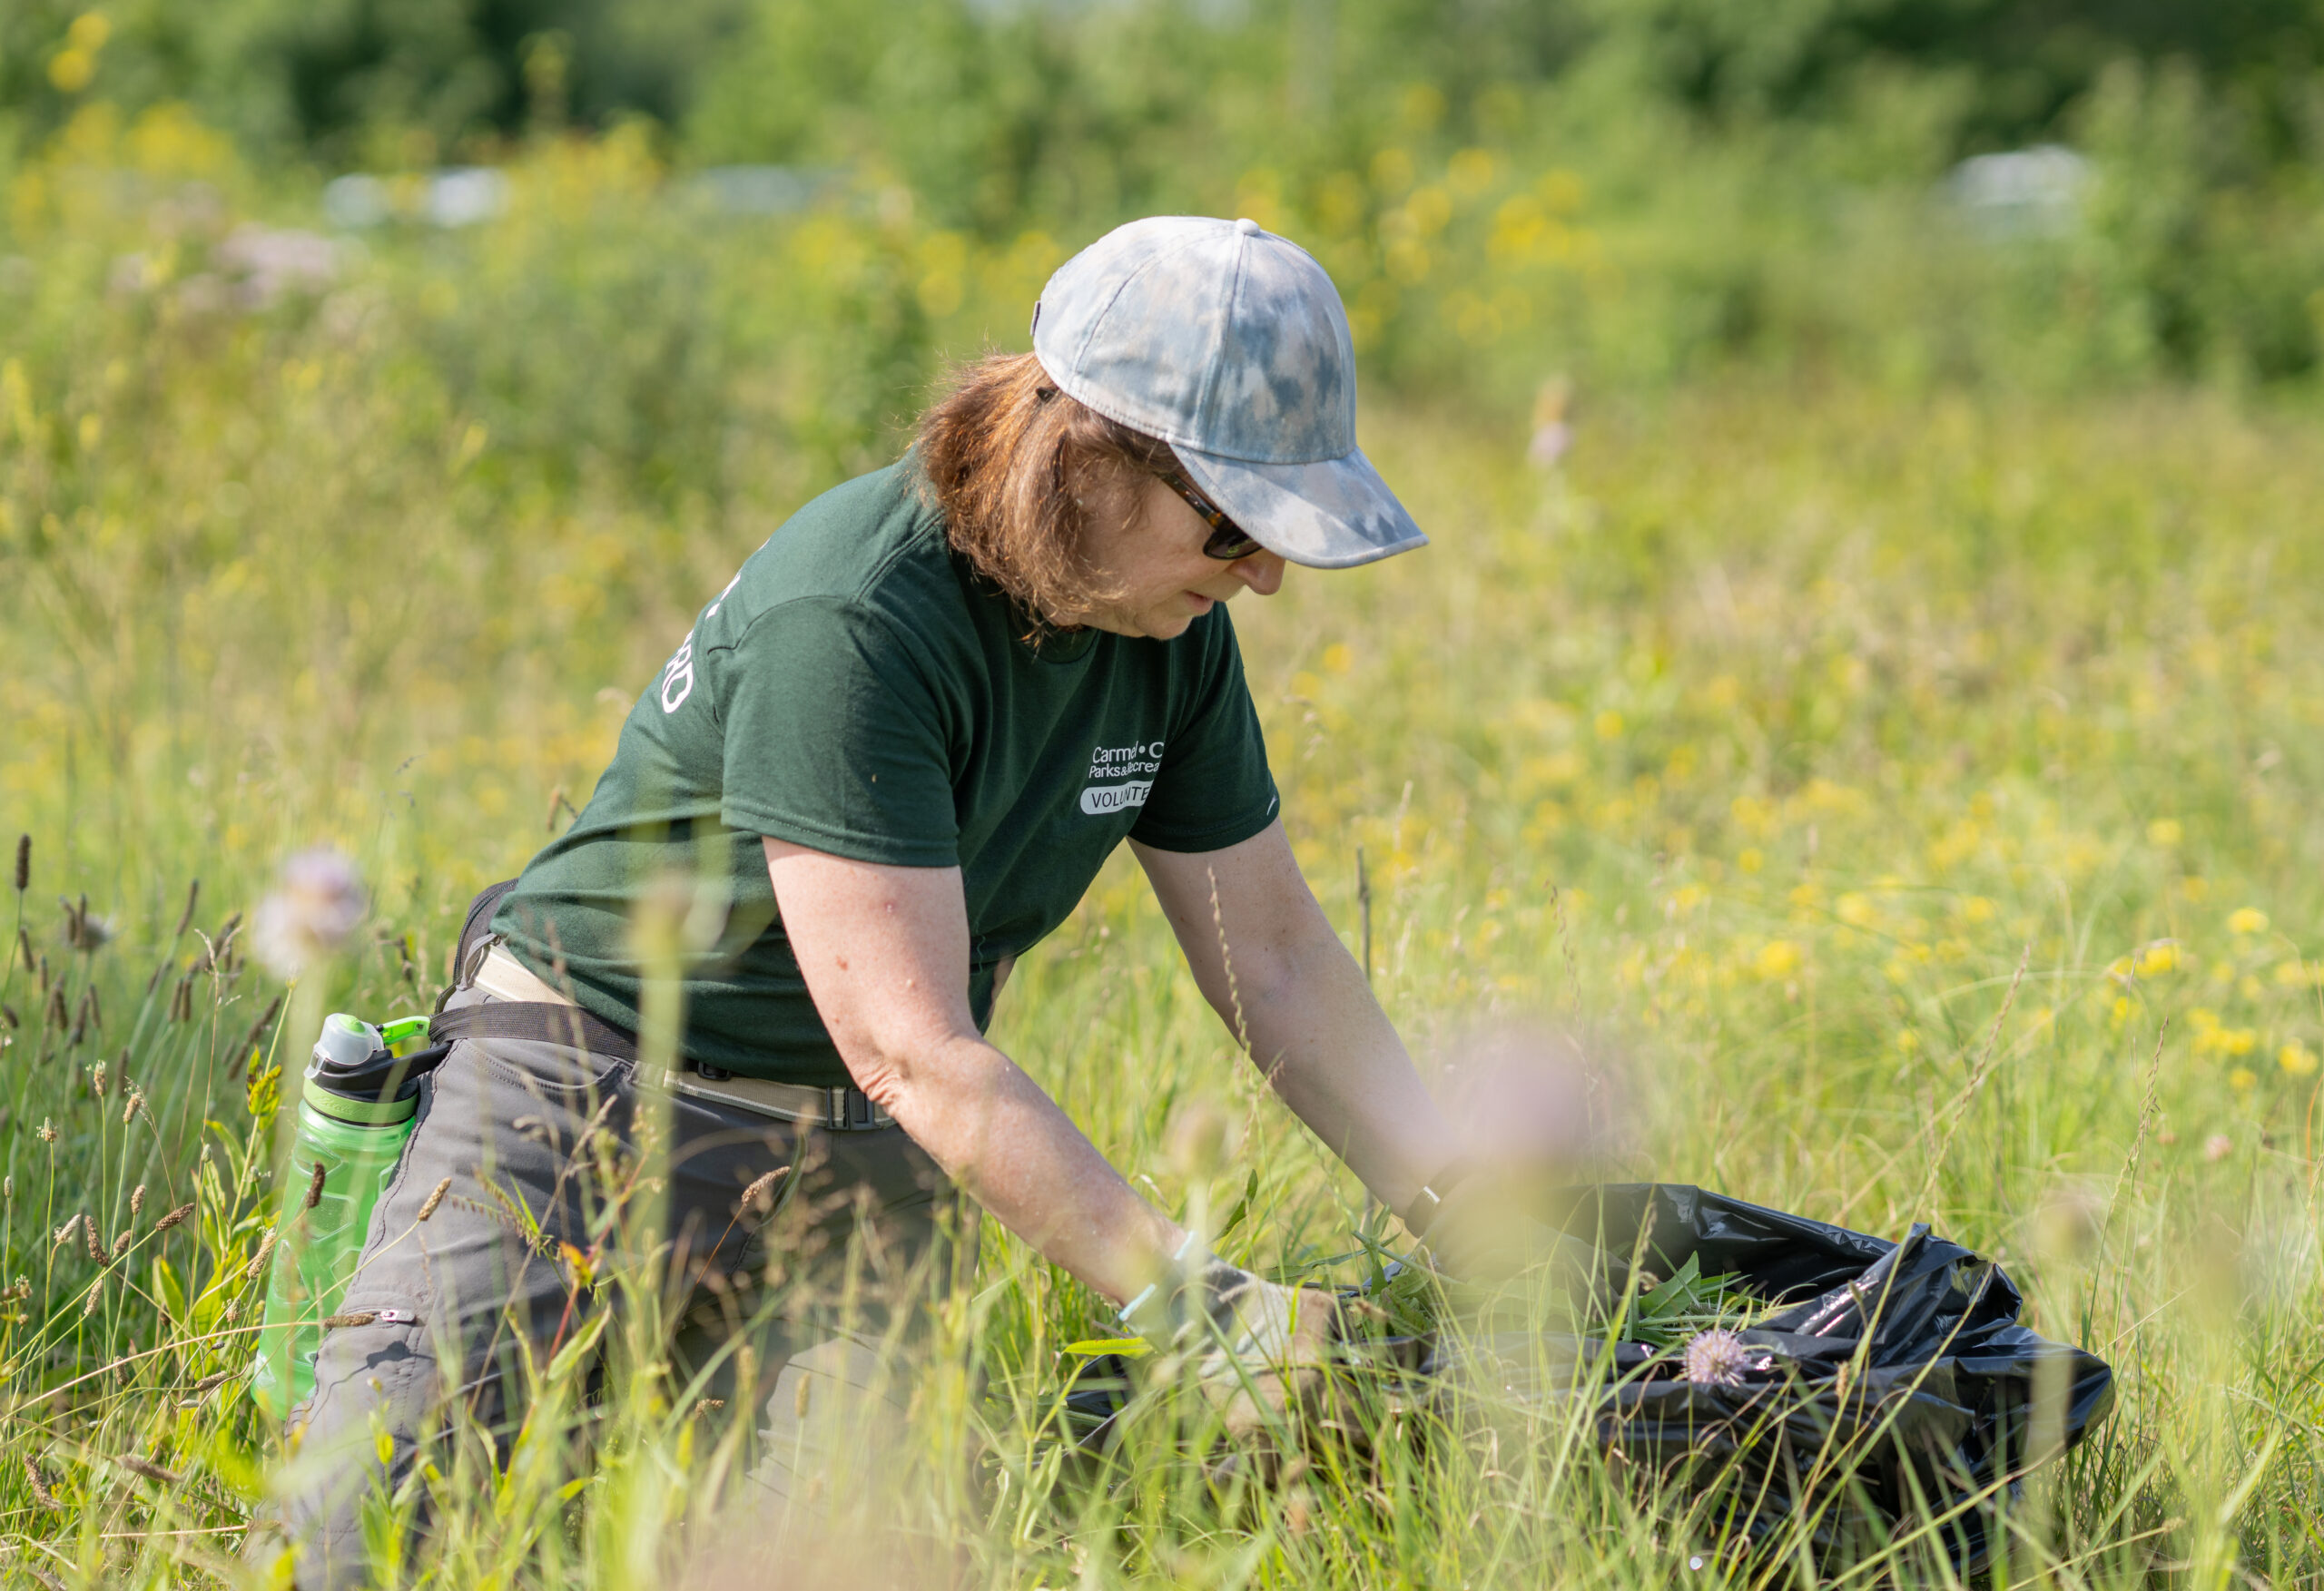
column 1213, row 789
column 834, row 738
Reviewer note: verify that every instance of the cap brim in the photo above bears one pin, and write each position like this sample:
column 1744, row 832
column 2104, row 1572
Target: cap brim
column 1334, row 513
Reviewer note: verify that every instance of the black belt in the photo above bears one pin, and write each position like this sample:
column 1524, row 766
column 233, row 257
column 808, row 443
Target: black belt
column 569, row 1025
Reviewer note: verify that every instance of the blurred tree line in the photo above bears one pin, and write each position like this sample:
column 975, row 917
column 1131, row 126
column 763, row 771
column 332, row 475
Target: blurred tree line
column 1654, row 183
column 1018, row 80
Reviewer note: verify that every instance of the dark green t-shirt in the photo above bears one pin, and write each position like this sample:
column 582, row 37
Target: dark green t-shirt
column 858, row 690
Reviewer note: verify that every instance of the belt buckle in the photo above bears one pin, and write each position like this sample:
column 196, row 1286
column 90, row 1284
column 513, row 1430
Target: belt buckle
column 851, row 1111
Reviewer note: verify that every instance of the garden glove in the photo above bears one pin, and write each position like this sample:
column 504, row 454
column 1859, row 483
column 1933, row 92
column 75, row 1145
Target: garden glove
column 1258, row 1351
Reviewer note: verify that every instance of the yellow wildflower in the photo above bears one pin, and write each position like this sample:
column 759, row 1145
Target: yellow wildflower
column 2251, row 919
column 2158, row 957
column 1777, row 959
column 2241, row 1079
column 2165, row 831
column 2296, row 1060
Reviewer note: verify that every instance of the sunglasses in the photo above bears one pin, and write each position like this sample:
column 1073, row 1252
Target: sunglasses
column 1228, row 541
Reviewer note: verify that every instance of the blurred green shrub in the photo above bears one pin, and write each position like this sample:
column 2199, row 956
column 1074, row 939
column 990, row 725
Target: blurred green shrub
column 1624, row 190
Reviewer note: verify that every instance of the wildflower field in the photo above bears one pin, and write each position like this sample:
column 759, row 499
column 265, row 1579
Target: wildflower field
column 1911, row 789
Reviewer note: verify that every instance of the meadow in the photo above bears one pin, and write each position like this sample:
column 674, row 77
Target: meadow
column 1909, row 789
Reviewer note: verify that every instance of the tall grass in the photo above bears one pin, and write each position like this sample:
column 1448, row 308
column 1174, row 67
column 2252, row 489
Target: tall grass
column 1762, row 739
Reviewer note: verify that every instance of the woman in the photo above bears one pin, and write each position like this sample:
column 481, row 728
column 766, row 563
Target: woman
column 888, row 759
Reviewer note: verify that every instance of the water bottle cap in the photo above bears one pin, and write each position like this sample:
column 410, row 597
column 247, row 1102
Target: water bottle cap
column 345, row 1041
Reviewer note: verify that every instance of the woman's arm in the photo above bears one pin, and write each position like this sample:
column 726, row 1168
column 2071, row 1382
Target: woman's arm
column 1265, row 957
column 885, row 954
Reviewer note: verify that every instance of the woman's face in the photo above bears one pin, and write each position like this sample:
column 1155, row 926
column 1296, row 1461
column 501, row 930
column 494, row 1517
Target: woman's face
column 1146, row 545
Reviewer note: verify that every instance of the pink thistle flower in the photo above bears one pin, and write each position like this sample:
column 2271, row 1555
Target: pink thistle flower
column 310, row 916
column 1716, row 1358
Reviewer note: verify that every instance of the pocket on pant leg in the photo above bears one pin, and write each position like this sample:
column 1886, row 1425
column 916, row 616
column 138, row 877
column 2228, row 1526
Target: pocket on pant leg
column 362, row 1372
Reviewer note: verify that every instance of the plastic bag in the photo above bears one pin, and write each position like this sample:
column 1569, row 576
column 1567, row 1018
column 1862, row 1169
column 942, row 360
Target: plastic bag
column 1895, row 1385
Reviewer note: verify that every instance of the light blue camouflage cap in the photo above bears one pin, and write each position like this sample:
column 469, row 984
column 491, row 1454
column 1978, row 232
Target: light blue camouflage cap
column 1231, row 345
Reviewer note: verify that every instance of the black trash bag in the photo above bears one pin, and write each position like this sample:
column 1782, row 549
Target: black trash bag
column 1937, row 1413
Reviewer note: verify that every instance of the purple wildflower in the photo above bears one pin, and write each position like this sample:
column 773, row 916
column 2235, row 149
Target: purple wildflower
column 320, row 903
column 1716, row 1358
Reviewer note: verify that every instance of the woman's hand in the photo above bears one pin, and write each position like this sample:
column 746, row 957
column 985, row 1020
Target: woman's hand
column 1258, row 1351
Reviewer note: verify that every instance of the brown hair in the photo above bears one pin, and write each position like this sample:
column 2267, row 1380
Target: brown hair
column 1008, row 455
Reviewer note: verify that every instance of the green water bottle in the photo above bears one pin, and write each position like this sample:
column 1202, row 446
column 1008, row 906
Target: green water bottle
column 354, row 1115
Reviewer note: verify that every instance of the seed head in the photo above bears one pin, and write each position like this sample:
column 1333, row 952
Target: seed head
column 47, row 1132
column 757, row 1198
column 172, row 1219
column 97, row 1079
column 150, row 1471
column 82, row 929
column 1716, row 1358
column 318, row 906
column 64, row 1232
column 435, row 1197
column 96, row 1296
column 95, row 1243
column 137, row 1201
column 257, row 1029
column 258, row 1260
column 357, row 1317
column 24, row 865
column 186, row 919
column 8, row 1188
column 136, row 1103
column 40, row 1494
column 315, row 1187
column 121, row 1243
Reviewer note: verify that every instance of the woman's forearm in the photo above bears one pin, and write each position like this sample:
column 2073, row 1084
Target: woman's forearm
column 1011, row 1149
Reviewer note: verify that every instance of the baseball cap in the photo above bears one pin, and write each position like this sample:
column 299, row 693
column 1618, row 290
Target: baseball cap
column 1230, row 344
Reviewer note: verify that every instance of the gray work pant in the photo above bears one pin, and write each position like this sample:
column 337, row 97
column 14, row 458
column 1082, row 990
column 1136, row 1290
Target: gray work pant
column 510, row 1123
